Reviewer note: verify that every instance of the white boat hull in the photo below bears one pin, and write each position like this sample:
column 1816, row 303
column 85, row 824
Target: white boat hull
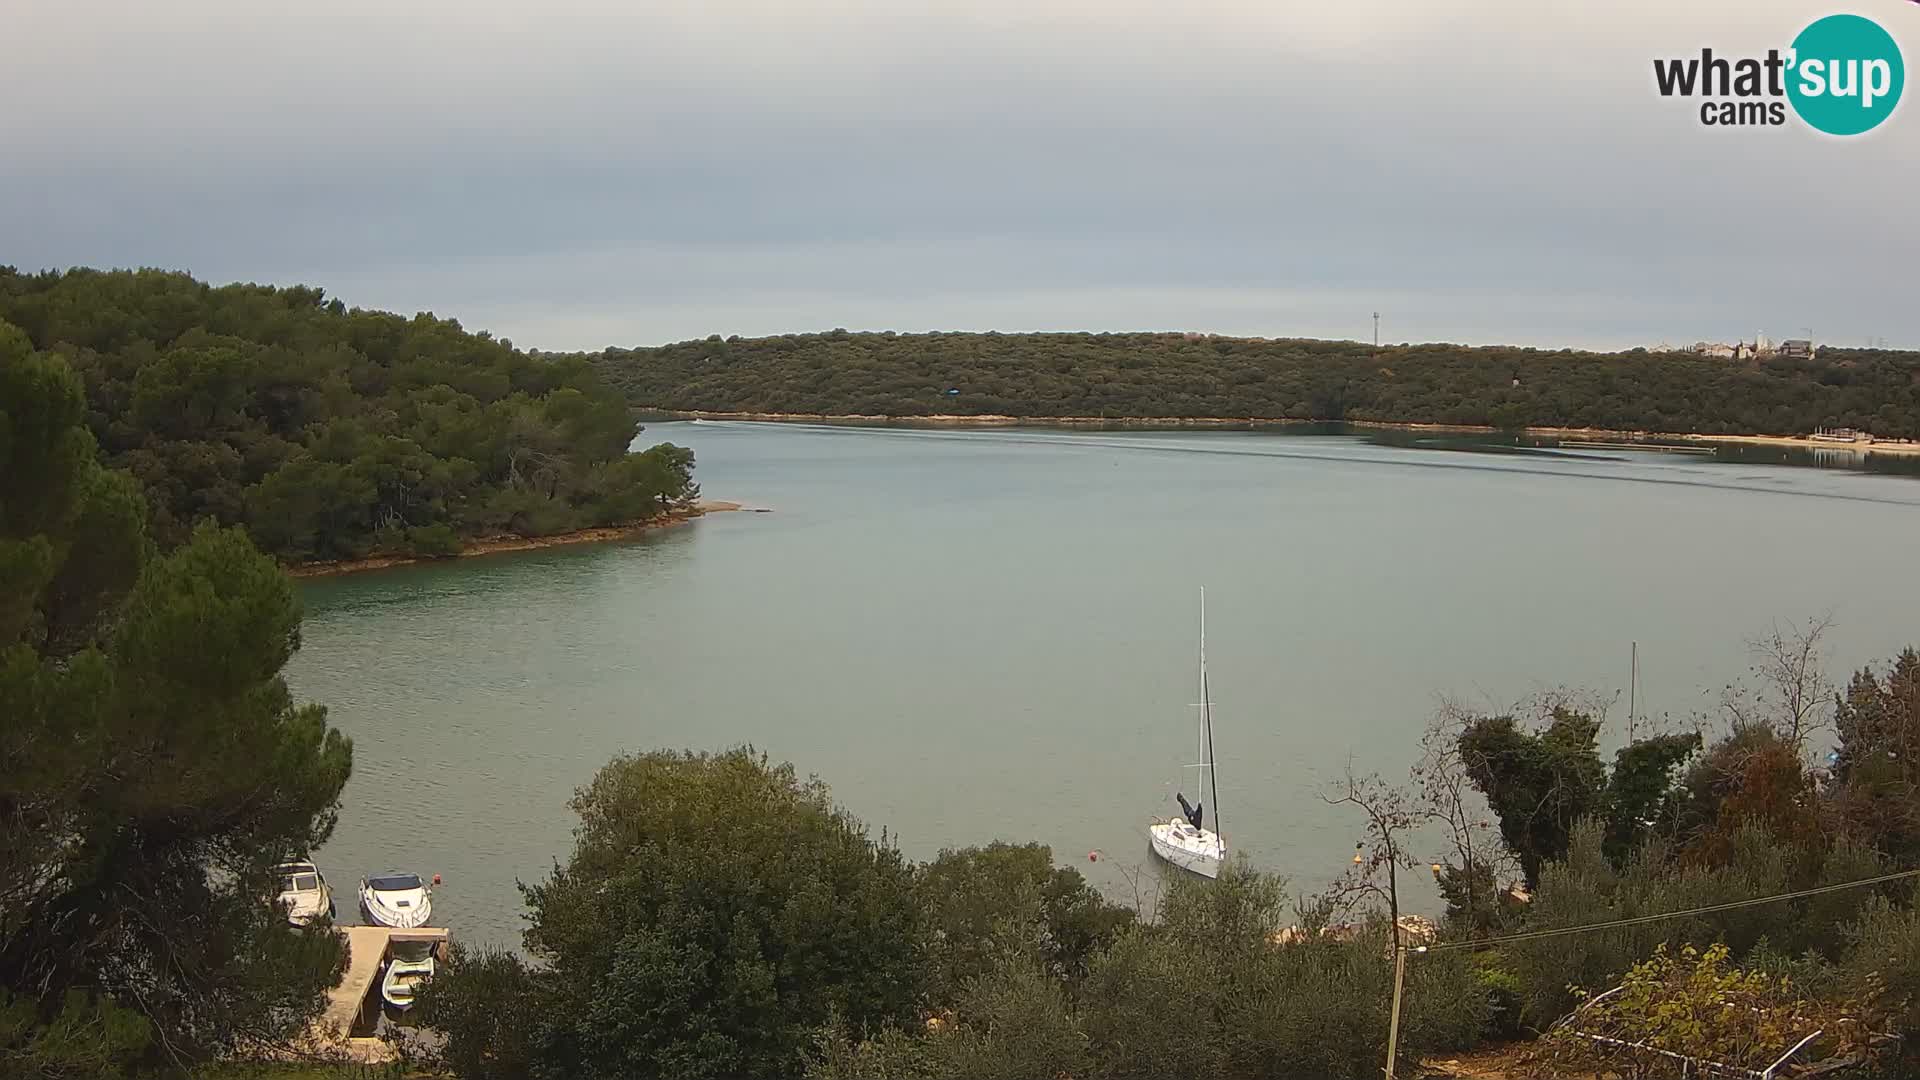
column 304, row 893
column 1199, row 851
column 397, row 990
column 379, row 913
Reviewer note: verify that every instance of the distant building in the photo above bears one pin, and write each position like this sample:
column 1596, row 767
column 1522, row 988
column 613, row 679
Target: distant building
column 1717, row 349
column 1799, row 347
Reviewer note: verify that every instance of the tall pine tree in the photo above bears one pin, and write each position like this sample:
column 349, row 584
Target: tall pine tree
column 153, row 766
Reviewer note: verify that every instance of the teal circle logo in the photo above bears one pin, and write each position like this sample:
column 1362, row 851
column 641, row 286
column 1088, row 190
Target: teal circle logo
column 1846, row 75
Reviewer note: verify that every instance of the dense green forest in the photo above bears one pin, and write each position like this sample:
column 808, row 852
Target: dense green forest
column 331, row 432
column 1182, row 375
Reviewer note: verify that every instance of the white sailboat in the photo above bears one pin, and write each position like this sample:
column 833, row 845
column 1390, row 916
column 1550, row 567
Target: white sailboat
column 1183, row 840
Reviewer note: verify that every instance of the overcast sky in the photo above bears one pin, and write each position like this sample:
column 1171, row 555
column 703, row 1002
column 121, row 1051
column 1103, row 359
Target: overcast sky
column 574, row 175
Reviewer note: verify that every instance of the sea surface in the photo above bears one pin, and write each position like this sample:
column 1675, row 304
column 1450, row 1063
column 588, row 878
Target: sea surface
column 991, row 634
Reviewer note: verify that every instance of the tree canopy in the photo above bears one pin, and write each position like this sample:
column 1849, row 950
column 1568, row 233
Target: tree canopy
column 715, row 911
column 978, row 903
column 1877, row 764
column 332, row 433
column 155, row 766
column 1540, row 784
column 1139, row 375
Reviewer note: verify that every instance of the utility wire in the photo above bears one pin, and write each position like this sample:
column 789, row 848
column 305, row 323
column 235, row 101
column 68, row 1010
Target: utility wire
column 1643, row 919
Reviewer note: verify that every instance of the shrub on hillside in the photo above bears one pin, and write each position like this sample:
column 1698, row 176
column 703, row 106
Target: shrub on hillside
column 1886, row 951
column 1586, row 889
column 715, row 912
column 1208, row 991
column 433, row 541
column 977, row 903
column 489, row 1006
column 1698, row 1006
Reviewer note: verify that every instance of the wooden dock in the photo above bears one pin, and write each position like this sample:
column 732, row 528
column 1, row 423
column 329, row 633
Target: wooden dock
column 367, row 950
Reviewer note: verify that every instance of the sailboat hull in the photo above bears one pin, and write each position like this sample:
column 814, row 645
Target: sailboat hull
column 1198, row 851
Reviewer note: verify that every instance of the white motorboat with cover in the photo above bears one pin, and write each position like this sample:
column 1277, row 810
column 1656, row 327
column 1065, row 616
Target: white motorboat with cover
column 1185, row 841
column 395, row 899
column 410, row 968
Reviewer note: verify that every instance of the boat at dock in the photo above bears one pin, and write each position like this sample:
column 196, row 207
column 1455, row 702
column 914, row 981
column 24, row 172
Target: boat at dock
column 1184, row 840
column 396, row 899
column 304, row 892
column 408, row 971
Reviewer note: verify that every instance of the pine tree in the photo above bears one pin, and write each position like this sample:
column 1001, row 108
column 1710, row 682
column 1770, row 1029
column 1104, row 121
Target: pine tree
column 153, row 765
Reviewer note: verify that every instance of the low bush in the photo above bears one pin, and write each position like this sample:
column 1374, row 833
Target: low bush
column 433, row 541
column 490, row 1008
column 1506, row 996
column 1205, row 992
column 1586, row 888
column 1697, row 1005
column 1886, row 951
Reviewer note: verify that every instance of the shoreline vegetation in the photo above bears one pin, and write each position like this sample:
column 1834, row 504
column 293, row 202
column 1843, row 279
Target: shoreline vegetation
column 335, row 434
column 1202, row 379
column 1678, row 869
column 510, row 542
column 1648, row 439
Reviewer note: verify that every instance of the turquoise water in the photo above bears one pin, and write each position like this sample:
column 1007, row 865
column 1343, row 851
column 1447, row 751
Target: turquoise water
column 990, row 634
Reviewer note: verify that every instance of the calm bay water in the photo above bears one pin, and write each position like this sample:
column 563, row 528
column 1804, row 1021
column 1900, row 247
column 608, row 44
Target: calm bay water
column 975, row 635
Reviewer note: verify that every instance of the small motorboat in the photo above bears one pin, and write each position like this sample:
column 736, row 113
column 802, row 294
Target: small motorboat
column 304, row 892
column 407, row 972
column 394, row 899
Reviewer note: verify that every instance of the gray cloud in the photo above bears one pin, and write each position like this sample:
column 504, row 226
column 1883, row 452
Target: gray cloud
column 584, row 174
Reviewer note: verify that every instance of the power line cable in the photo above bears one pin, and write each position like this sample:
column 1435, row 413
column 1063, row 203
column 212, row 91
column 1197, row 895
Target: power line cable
column 1640, row 920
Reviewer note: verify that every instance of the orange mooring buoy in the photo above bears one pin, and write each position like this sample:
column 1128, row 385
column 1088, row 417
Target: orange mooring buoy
column 1093, row 856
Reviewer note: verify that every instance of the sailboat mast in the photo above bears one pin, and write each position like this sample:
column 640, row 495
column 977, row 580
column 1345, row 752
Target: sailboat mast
column 1200, row 729
column 1633, row 690
column 1206, row 720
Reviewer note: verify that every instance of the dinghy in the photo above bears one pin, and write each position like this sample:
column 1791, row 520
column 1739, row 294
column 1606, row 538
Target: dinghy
column 407, row 972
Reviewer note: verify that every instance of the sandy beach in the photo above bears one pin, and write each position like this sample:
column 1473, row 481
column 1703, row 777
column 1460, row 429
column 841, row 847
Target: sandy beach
column 1576, row 434
column 495, row 545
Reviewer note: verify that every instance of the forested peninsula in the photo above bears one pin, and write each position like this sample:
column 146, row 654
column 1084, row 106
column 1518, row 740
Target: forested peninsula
column 1190, row 376
column 336, row 433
